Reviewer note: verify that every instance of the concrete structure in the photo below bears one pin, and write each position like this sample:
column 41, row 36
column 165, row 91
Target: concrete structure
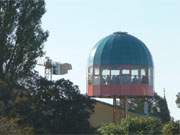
column 103, row 114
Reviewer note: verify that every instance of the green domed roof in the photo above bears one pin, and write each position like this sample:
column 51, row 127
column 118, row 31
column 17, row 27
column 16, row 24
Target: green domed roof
column 120, row 48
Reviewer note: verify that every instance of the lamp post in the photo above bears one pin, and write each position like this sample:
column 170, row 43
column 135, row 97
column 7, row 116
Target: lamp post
column 54, row 68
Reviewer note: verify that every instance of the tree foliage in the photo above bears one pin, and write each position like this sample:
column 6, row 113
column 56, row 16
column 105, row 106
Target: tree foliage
column 157, row 107
column 11, row 126
column 136, row 125
column 178, row 100
column 55, row 107
column 171, row 128
column 47, row 106
column 140, row 126
column 21, row 37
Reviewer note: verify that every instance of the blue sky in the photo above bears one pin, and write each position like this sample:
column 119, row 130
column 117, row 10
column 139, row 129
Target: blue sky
column 76, row 25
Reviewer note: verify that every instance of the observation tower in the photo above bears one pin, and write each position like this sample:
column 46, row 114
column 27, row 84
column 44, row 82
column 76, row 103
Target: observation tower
column 120, row 66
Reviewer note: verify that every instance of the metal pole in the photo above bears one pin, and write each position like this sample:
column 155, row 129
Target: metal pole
column 126, row 107
column 114, row 109
column 120, row 110
column 146, row 106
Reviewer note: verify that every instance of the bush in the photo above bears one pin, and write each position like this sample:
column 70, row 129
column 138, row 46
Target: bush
column 12, row 126
column 171, row 128
column 112, row 129
column 144, row 125
column 136, row 125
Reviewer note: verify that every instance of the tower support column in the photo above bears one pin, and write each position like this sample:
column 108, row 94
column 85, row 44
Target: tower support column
column 125, row 107
column 114, row 109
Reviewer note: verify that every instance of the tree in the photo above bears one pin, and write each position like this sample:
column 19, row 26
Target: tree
column 171, row 128
column 157, row 107
column 11, row 126
column 130, row 126
column 21, row 38
column 178, row 100
column 47, row 106
column 55, row 107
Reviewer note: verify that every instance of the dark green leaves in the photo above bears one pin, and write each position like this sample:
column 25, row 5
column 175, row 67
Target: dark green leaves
column 21, row 37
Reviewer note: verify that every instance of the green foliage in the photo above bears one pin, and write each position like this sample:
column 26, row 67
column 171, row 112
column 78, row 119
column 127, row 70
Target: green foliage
column 47, row 106
column 144, row 125
column 21, row 38
column 11, row 126
column 5, row 99
column 171, row 128
column 167, row 129
column 55, row 107
column 113, row 129
column 178, row 100
column 157, row 107
column 136, row 125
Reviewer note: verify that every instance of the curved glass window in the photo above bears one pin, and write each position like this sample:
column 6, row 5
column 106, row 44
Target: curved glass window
column 96, row 80
column 125, row 71
column 135, row 76
column 150, row 72
column 143, row 72
column 105, row 79
column 115, row 72
column 125, row 77
column 144, row 76
column 115, row 76
column 90, row 75
column 105, row 72
column 120, row 76
column 96, row 71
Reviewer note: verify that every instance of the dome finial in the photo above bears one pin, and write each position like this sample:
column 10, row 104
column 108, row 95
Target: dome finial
column 120, row 32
